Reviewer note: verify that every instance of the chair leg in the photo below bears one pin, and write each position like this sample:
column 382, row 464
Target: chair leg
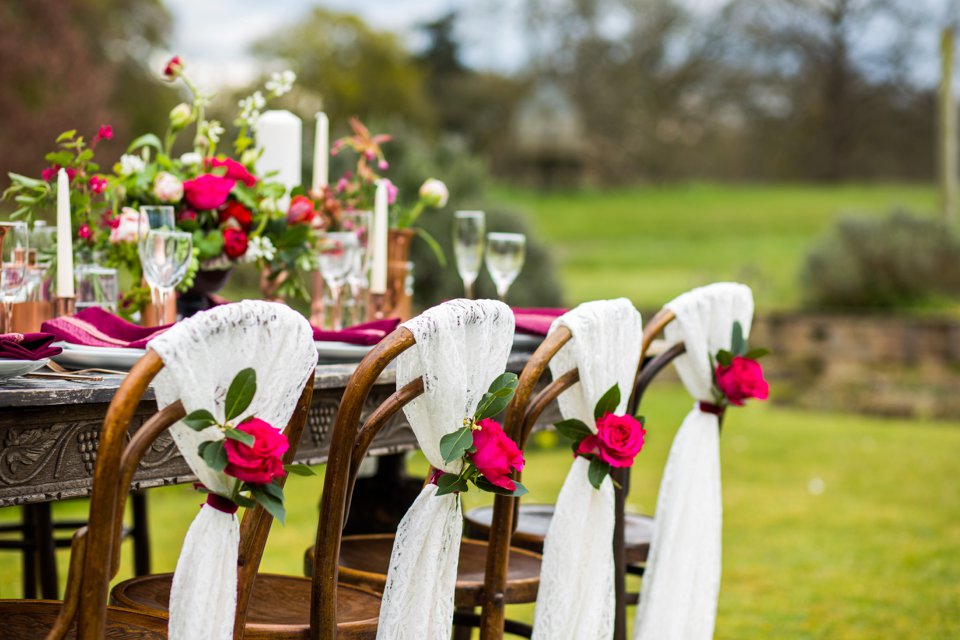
column 141, row 534
column 28, row 554
column 463, row 631
column 622, row 476
column 45, row 549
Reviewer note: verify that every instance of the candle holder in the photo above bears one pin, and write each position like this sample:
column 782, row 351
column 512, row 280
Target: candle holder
column 28, row 316
column 64, row 306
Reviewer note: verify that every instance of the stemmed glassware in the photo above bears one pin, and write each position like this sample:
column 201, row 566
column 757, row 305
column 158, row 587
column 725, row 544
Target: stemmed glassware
column 468, row 229
column 358, row 223
column 335, row 259
column 15, row 240
column 505, row 254
column 165, row 253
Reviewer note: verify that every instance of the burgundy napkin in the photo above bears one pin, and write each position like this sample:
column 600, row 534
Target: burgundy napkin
column 27, row 346
column 95, row 327
column 536, row 321
column 368, row 333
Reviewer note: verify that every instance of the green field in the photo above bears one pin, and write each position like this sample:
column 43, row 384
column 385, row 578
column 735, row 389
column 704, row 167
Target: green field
column 652, row 243
column 834, row 526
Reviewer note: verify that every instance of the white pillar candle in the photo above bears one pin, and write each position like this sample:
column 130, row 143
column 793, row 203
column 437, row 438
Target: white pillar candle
column 381, row 224
column 64, row 238
column 321, row 153
column 279, row 135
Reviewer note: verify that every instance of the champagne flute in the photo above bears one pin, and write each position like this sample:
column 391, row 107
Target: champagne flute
column 505, row 253
column 335, row 259
column 14, row 241
column 164, row 256
column 468, row 228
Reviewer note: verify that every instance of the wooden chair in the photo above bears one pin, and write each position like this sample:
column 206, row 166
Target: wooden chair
column 363, row 559
column 95, row 554
column 632, row 532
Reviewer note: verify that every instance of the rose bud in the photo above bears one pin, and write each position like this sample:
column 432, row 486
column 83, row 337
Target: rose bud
column 235, row 211
column 180, row 116
column 742, row 379
column 301, row 210
column 105, row 132
column 207, row 191
column 173, row 68
column 434, row 193
column 235, row 242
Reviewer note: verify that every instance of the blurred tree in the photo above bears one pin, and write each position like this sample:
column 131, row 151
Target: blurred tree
column 68, row 64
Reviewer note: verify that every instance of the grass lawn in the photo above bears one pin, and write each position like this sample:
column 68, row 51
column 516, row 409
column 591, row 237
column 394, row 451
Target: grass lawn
column 652, row 243
column 835, row 526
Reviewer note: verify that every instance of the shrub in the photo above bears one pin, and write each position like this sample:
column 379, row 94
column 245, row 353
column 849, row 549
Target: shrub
column 901, row 260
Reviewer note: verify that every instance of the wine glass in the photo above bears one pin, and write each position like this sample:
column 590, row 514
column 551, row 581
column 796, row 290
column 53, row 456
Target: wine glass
column 164, row 256
column 505, row 253
column 335, row 258
column 156, row 217
column 358, row 223
column 468, row 228
column 14, row 241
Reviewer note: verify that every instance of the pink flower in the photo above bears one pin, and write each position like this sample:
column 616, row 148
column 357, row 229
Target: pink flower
column 207, row 191
column 235, row 170
column 496, row 455
column 392, row 191
column 617, row 442
column 173, row 68
column 741, row 380
column 84, row 232
column 97, row 184
column 342, row 185
column 71, row 174
column 261, row 463
column 369, row 155
column 235, row 242
column 167, row 187
column 301, row 210
column 50, row 173
column 127, row 227
column 383, row 165
column 105, row 132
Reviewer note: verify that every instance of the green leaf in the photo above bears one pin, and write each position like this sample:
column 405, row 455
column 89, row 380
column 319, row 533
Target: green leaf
column 239, row 436
column 271, row 503
column 240, row 393
column 67, row 135
column 504, row 385
column 491, row 405
column 433, row 244
column 214, row 455
column 597, row 472
column 244, row 501
column 608, row 402
column 737, row 344
column 299, row 470
column 199, row 420
column 485, row 485
column 450, row 483
column 146, row 140
column 756, row 354
column 724, row 357
column 25, row 181
column 454, row 445
column 574, row 429
column 274, row 490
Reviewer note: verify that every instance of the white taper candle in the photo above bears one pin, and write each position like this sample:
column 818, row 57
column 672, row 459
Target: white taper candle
column 64, row 237
column 381, row 224
column 321, row 153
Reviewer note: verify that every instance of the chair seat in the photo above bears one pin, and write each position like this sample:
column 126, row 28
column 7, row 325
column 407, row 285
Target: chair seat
column 364, row 560
column 279, row 605
column 32, row 619
column 534, row 520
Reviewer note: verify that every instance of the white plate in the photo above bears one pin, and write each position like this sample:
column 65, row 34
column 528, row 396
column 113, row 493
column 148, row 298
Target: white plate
column 341, row 351
column 13, row 368
column 525, row 342
column 77, row 356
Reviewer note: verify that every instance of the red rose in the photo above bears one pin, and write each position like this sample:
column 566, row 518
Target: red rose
column 262, row 462
column 235, row 170
column 741, row 380
column 50, row 173
column 233, row 210
column 173, row 67
column 301, row 210
column 207, row 191
column 496, row 455
column 235, row 242
column 187, row 216
column 617, row 442
column 97, row 184
column 105, row 132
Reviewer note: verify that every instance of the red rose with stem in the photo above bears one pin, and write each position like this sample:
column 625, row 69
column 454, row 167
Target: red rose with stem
column 496, row 455
column 617, row 442
column 233, row 210
column 235, row 242
column 741, row 379
column 262, row 462
column 301, row 210
column 207, row 191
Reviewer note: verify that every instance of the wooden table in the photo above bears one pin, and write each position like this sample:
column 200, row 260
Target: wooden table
column 49, row 431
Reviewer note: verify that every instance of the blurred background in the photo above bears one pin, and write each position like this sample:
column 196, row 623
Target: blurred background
column 805, row 147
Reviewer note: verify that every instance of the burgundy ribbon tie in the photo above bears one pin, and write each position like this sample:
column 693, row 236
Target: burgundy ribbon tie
column 222, row 504
column 709, row 407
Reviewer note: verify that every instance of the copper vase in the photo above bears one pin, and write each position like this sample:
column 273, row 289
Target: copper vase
column 398, row 301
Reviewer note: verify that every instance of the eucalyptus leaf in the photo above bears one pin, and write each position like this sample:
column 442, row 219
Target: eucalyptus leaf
column 239, row 436
column 269, row 502
column 574, row 429
column 199, row 420
column 724, row 357
column 450, row 483
column 608, row 402
column 454, row 445
column 737, row 344
column 214, row 455
column 756, row 354
column 240, row 393
column 597, row 472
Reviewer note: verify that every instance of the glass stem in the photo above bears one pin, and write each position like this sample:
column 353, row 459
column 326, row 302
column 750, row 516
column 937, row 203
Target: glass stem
column 468, row 288
column 7, row 317
column 502, row 293
column 336, row 318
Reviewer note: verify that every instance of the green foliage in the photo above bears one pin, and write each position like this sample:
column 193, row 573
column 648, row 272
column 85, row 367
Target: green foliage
column 597, row 471
column 455, row 445
column 199, row 420
column 240, row 393
column 901, row 260
column 497, row 397
column 608, row 402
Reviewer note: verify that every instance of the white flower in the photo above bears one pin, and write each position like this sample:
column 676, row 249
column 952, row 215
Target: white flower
column 167, row 187
column 250, row 108
column 281, row 82
column 211, row 130
column 191, row 158
column 259, row 248
column 181, row 115
column 131, row 164
column 434, row 193
column 128, row 226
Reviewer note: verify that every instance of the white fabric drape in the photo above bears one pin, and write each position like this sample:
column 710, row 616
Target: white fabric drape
column 201, row 356
column 461, row 347
column 681, row 584
column 576, row 597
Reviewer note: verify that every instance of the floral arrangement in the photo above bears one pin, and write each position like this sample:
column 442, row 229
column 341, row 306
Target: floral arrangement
column 615, row 444
column 251, row 451
column 489, row 455
column 737, row 374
